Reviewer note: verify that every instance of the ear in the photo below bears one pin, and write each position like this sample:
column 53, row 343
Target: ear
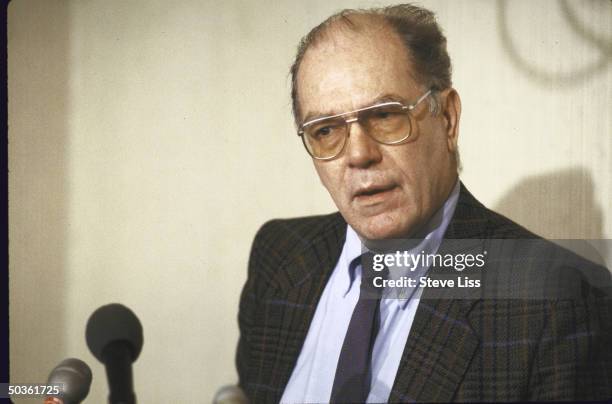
column 451, row 113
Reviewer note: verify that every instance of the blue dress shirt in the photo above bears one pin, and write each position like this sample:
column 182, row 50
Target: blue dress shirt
column 313, row 375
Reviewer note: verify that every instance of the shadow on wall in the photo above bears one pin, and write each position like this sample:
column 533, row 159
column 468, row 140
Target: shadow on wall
column 564, row 79
column 559, row 205
column 38, row 74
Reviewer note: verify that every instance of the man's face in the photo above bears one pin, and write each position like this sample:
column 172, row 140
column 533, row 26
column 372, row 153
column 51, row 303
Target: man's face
column 382, row 191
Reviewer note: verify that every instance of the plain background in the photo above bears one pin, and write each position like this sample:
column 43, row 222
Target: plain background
column 149, row 140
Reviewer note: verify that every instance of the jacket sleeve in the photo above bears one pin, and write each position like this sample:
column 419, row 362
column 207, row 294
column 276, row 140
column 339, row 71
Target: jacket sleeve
column 248, row 308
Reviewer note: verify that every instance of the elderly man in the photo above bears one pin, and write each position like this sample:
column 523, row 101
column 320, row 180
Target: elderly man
column 376, row 111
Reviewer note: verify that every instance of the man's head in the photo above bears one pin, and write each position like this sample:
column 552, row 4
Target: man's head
column 356, row 59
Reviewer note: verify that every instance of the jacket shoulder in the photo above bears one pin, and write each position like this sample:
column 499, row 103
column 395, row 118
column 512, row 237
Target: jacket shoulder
column 281, row 240
column 286, row 235
column 299, row 230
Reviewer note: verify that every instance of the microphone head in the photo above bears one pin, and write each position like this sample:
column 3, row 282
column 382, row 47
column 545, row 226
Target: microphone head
column 75, row 377
column 230, row 394
column 111, row 323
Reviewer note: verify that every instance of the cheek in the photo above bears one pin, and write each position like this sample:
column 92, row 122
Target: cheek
column 422, row 160
column 415, row 166
column 408, row 166
column 330, row 175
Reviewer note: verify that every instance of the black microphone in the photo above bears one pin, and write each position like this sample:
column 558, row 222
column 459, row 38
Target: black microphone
column 114, row 337
column 74, row 377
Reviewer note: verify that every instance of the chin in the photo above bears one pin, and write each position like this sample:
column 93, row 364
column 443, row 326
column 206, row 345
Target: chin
column 383, row 228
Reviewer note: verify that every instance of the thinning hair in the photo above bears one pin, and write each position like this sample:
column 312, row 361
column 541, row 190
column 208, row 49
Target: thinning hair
column 419, row 33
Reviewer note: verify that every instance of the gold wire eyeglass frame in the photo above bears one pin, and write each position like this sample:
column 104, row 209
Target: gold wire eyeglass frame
column 354, row 116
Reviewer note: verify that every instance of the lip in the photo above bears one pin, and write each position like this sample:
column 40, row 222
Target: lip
column 373, row 193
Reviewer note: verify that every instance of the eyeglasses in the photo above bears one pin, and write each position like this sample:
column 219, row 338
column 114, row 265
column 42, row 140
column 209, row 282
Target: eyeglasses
column 387, row 123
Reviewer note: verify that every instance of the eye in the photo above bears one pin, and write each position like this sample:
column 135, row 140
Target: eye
column 382, row 114
column 388, row 112
column 323, row 131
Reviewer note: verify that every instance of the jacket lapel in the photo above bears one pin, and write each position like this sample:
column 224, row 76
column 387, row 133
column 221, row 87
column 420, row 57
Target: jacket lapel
column 293, row 298
column 442, row 342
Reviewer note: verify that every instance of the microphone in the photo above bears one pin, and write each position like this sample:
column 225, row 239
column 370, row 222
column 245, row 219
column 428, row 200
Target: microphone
column 114, row 337
column 230, row 395
column 74, row 377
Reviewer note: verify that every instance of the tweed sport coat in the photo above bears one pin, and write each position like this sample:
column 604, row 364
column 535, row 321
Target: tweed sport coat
column 458, row 350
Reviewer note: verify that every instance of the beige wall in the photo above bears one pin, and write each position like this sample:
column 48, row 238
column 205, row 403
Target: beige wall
column 149, row 140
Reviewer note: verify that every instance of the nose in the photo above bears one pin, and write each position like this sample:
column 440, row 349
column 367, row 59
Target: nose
column 362, row 151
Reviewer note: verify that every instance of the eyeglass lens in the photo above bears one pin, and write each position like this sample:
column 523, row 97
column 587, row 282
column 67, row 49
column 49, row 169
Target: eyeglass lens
column 386, row 124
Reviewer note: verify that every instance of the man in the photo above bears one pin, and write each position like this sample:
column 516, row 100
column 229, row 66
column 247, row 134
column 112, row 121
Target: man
column 376, row 111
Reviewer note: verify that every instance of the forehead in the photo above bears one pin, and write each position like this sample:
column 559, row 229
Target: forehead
column 350, row 68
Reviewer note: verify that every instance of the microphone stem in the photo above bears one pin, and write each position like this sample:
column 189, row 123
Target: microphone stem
column 118, row 360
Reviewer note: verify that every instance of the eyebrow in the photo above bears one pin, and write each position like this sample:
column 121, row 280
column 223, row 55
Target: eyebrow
column 388, row 97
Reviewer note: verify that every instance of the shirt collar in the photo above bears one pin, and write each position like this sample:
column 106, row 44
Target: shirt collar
column 353, row 249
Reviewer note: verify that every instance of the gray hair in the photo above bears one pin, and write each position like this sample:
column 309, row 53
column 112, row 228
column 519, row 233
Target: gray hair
column 420, row 34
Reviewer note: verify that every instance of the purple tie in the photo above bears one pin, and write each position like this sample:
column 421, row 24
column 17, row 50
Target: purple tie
column 353, row 373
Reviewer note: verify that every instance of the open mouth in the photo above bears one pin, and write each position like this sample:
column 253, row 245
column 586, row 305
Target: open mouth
column 373, row 191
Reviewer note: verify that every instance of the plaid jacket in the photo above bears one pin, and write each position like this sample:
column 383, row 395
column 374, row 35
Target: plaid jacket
column 458, row 350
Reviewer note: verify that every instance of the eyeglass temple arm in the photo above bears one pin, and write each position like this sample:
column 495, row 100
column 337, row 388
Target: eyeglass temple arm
column 413, row 106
